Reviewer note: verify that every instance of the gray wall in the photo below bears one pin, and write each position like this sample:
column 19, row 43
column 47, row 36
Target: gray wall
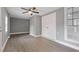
column 3, row 33
column 0, row 19
column 0, row 29
column 19, row 25
column 60, row 24
column 35, row 25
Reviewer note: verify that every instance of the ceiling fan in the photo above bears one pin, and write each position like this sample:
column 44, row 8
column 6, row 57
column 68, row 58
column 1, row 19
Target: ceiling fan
column 30, row 10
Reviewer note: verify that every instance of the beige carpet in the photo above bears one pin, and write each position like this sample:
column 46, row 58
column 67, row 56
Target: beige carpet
column 27, row 43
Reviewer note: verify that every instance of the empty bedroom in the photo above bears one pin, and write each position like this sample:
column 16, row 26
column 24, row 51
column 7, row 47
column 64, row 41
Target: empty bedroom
column 39, row 29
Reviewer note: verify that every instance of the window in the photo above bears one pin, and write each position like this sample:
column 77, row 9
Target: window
column 6, row 23
column 73, row 17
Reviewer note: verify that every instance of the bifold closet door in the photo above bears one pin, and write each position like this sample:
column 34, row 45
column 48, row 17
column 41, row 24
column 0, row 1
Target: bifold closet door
column 49, row 26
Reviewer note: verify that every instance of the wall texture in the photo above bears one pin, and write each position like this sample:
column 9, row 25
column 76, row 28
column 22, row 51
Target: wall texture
column 4, row 35
column 0, row 30
column 0, row 18
column 60, row 24
column 19, row 25
column 35, row 25
column 4, row 15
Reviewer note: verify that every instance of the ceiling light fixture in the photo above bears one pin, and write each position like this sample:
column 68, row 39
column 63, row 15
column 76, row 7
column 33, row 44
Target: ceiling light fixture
column 30, row 10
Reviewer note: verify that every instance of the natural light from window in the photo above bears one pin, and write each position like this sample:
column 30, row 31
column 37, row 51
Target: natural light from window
column 6, row 23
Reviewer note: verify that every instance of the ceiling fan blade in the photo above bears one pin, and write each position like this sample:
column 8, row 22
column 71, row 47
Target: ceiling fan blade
column 25, row 12
column 24, row 8
column 35, row 12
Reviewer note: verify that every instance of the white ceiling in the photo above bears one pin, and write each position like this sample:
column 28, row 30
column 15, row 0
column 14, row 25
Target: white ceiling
column 17, row 11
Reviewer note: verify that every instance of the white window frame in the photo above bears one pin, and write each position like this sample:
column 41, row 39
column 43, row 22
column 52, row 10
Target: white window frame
column 6, row 24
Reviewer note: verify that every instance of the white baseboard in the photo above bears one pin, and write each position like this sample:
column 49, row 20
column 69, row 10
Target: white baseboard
column 74, row 41
column 67, row 44
column 64, row 43
column 4, row 45
column 18, row 33
column 35, row 35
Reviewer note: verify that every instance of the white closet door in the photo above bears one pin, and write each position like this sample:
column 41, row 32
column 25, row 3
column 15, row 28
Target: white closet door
column 49, row 26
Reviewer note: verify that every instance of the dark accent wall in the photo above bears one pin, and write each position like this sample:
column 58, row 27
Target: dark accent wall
column 19, row 25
